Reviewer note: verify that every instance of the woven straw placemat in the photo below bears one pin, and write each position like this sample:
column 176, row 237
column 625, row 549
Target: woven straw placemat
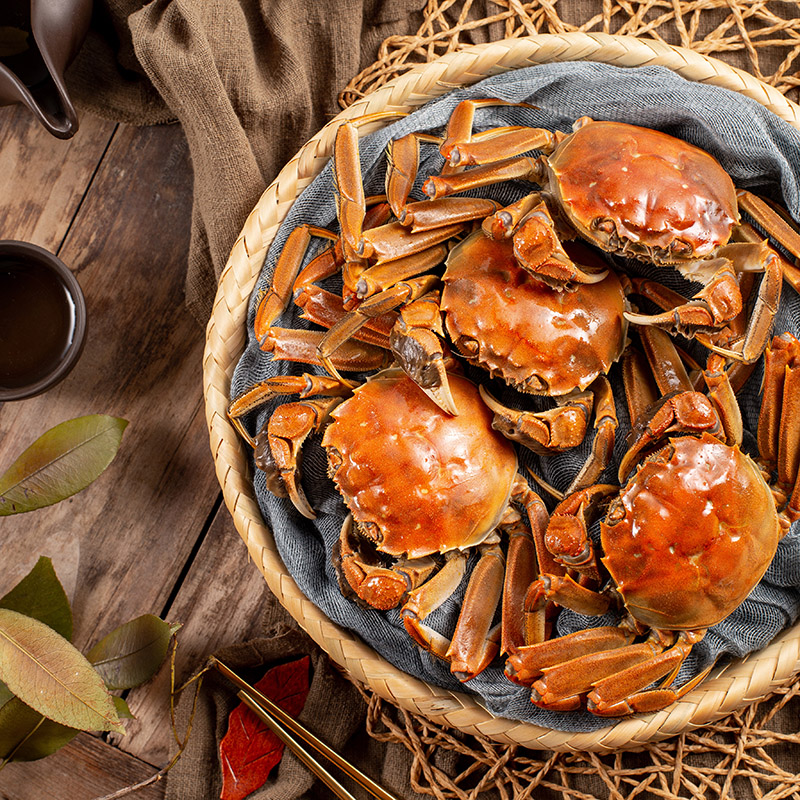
column 739, row 685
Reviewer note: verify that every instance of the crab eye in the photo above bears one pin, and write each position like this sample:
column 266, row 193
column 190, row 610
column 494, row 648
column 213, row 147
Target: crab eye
column 372, row 532
column 469, row 347
column 680, row 248
column 606, row 225
column 334, row 459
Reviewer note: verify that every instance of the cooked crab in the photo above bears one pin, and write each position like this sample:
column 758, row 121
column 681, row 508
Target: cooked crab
column 423, row 489
column 684, row 541
column 635, row 192
column 537, row 340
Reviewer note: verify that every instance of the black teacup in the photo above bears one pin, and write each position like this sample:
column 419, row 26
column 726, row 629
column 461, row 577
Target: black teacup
column 42, row 320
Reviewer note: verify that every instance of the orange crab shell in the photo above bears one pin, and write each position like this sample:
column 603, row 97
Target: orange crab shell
column 417, row 480
column 539, row 340
column 668, row 200
column 691, row 534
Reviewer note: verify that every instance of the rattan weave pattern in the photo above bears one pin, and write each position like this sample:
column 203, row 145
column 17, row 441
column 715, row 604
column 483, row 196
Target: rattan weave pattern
column 761, row 36
column 738, row 685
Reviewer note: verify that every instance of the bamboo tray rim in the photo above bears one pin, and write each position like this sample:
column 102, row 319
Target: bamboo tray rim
column 738, row 684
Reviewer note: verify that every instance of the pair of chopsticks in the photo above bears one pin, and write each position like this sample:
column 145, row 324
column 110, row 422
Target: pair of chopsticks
column 289, row 731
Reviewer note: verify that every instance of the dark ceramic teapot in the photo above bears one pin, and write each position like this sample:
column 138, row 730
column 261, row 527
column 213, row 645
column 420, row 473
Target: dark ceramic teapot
column 38, row 40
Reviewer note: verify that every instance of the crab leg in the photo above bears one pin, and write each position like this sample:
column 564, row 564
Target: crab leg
column 519, row 168
column 378, row 278
column 563, row 686
column 529, row 662
column 504, row 222
column 778, row 432
column 426, row 215
column 459, row 126
column 292, row 344
column 641, row 391
column 624, row 691
column 475, row 641
column 327, row 309
column 364, row 574
column 393, row 240
column 402, row 157
column 277, row 297
column 349, row 188
column 527, row 557
column 773, row 223
column 723, row 398
column 508, row 141
column 423, row 600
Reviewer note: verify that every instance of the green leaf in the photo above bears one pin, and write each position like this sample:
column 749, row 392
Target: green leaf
column 122, row 708
column 47, row 673
column 25, row 735
column 40, row 595
column 5, row 694
column 132, row 654
column 60, row 463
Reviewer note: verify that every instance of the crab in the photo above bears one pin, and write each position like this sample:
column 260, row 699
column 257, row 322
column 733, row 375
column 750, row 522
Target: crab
column 685, row 539
column 414, row 481
column 537, row 340
column 390, row 266
column 634, row 192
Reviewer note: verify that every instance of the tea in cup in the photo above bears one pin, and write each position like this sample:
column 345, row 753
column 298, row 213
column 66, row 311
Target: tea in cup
column 42, row 320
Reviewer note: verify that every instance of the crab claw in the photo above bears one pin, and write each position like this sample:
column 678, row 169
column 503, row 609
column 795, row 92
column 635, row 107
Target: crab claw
column 543, row 432
column 279, row 445
column 417, row 346
column 538, row 250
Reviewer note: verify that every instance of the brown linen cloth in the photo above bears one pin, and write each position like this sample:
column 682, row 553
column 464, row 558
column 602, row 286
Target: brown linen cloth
column 334, row 711
column 249, row 80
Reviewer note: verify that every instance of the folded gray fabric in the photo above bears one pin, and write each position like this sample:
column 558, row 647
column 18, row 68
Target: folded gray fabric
column 761, row 153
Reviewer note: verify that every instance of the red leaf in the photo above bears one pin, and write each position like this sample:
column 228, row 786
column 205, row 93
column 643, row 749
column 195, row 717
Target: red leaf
column 250, row 750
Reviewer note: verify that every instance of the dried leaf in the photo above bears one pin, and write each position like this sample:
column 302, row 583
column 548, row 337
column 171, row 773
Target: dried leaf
column 132, row 654
column 40, row 595
column 60, row 463
column 47, row 673
column 249, row 750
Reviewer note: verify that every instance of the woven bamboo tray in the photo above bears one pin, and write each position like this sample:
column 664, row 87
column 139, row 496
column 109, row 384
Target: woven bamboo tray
column 741, row 683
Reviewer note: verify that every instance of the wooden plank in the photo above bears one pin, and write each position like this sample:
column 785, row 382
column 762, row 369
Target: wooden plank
column 43, row 179
column 223, row 600
column 135, row 527
column 85, row 769
column 122, row 543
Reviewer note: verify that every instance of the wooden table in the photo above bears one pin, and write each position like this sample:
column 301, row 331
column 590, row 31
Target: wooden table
column 151, row 534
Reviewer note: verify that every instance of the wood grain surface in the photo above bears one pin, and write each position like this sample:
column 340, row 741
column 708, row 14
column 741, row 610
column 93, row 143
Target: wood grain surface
column 150, row 535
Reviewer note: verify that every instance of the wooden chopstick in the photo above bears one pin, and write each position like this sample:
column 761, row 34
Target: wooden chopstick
column 310, row 762
column 286, row 728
